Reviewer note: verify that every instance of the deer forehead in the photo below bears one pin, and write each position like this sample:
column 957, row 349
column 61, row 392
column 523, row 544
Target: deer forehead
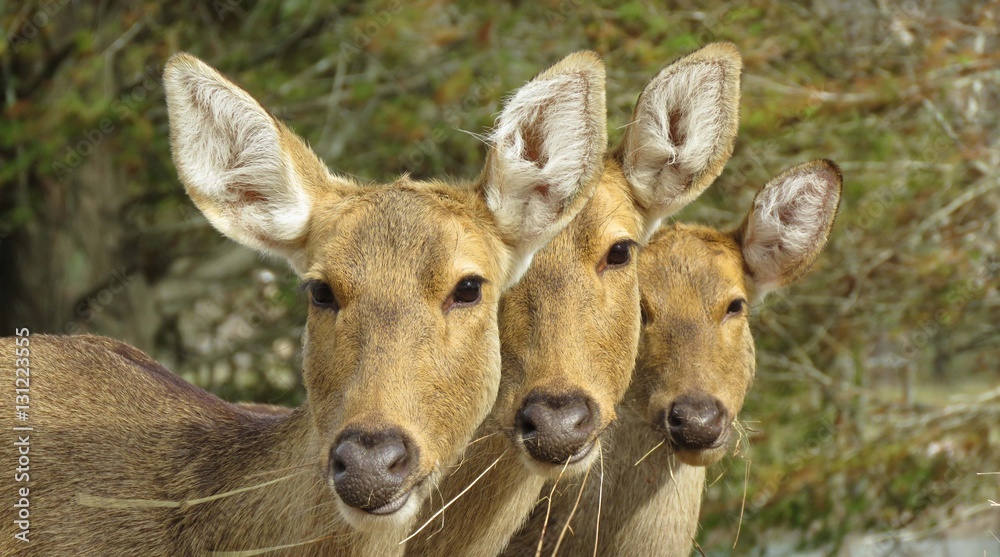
column 610, row 216
column 690, row 270
column 419, row 238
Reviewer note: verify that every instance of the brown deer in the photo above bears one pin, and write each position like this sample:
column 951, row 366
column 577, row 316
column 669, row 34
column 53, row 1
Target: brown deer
column 401, row 355
column 570, row 328
column 696, row 364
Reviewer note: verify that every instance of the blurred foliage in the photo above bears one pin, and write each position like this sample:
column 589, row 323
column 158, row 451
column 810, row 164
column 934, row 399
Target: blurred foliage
column 853, row 425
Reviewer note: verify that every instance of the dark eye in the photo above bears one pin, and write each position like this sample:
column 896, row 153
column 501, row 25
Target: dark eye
column 467, row 292
column 619, row 254
column 736, row 307
column 321, row 296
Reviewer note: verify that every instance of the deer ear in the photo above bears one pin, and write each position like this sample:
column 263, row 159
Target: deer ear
column 252, row 178
column 546, row 154
column 789, row 223
column 682, row 130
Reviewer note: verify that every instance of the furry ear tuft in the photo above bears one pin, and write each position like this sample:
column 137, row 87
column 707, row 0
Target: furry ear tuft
column 246, row 172
column 683, row 130
column 546, row 154
column 789, row 224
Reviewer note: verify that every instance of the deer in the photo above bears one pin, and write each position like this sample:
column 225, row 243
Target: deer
column 400, row 353
column 569, row 330
column 696, row 365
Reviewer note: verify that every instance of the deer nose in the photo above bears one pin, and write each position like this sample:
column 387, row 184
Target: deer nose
column 556, row 429
column 369, row 467
column 696, row 422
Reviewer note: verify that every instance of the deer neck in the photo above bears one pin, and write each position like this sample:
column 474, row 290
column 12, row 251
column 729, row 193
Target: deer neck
column 655, row 499
column 482, row 520
column 646, row 509
column 271, row 492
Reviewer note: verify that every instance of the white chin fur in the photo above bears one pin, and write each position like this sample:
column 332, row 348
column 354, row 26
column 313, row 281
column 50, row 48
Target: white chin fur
column 705, row 457
column 366, row 522
column 552, row 471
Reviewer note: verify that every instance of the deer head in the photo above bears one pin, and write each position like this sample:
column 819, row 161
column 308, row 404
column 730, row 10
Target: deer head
column 401, row 350
column 570, row 328
column 696, row 357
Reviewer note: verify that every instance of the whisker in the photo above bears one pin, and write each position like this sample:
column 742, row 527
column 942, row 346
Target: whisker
column 717, row 478
column 600, row 497
column 87, row 500
column 548, row 510
column 112, row 503
column 441, row 495
column 304, row 510
column 265, row 472
column 263, row 550
column 487, row 436
column 658, row 445
column 455, row 498
column 671, row 464
column 746, row 480
column 572, row 513
column 743, row 437
column 469, row 444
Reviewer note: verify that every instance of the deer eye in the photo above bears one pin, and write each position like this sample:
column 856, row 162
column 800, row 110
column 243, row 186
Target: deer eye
column 321, row 296
column 736, row 307
column 467, row 292
column 619, row 255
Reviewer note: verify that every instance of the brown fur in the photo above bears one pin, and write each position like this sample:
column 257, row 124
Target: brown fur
column 689, row 274
column 564, row 326
column 567, row 328
column 113, row 427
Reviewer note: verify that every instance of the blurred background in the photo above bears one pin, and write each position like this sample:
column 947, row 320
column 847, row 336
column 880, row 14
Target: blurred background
column 875, row 419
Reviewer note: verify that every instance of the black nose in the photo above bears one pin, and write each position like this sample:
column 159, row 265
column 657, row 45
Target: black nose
column 696, row 421
column 556, row 429
column 369, row 467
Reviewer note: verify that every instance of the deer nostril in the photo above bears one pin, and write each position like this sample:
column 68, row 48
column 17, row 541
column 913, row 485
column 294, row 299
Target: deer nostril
column 400, row 464
column 555, row 429
column 369, row 468
column 337, row 466
column 696, row 421
column 527, row 427
column 674, row 418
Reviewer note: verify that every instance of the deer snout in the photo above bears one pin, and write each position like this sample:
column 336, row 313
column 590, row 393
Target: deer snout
column 696, row 422
column 557, row 429
column 369, row 468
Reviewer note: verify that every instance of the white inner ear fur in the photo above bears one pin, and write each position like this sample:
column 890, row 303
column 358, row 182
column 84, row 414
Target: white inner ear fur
column 228, row 150
column 541, row 140
column 786, row 226
column 688, row 100
column 544, row 147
